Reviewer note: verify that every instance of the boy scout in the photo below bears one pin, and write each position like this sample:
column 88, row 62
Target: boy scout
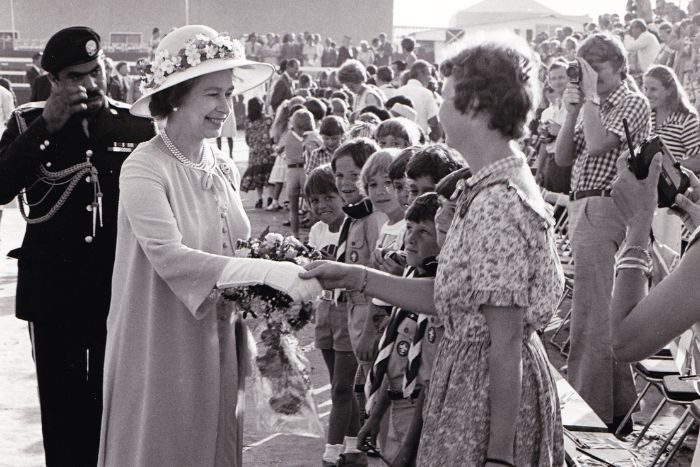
column 62, row 159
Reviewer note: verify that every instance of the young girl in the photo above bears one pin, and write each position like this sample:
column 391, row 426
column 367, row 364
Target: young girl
column 279, row 128
column 358, row 237
column 261, row 157
column 332, row 336
column 397, row 132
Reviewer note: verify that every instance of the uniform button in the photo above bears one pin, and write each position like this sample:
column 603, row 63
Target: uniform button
column 225, row 245
column 46, row 142
column 42, row 147
column 88, row 179
column 88, row 239
column 89, row 207
column 48, row 164
column 88, row 152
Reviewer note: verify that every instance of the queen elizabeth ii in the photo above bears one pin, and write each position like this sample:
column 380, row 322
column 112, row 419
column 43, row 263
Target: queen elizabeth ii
column 176, row 355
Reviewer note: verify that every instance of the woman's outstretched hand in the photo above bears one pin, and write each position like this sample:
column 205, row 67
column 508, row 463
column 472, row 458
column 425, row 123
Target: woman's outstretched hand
column 334, row 275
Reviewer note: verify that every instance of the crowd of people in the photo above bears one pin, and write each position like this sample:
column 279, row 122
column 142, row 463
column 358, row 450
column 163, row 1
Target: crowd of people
column 422, row 187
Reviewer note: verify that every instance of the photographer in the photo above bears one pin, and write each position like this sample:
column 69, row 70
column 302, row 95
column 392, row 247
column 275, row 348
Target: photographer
column 591, row 139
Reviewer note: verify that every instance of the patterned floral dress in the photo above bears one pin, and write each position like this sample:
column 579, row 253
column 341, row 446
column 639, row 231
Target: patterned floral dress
column 500, row 252
column 261, row 156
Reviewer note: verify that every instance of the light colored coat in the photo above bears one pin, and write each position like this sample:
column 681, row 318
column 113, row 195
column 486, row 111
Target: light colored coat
column 176, row 356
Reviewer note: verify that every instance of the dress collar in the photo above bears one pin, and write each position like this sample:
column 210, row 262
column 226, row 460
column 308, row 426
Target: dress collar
column 494, row 169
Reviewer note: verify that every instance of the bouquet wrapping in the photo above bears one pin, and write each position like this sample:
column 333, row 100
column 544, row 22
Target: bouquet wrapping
column 282, row 387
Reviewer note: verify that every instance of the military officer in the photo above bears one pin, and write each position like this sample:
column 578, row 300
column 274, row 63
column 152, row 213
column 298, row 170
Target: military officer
column 62, row 160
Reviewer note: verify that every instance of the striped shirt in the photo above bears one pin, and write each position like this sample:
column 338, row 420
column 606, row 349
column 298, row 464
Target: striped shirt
column 597, row 173
column 680, row 132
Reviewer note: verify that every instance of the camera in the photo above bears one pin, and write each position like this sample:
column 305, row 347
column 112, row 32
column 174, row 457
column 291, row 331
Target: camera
column 573, row 72
column 672, row 180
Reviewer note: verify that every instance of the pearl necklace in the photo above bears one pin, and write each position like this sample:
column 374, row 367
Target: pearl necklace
column 204, row 164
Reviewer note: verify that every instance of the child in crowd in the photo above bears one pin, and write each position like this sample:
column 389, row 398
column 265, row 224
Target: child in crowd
column 427, row 167
column 278, row 132
column 397, row 174
column 395, row 363
column 397, row 132
column 361, row 129
column 332, row 336
column 332, row 133
column 378, row 187
column 295, row 144
column 358, row 237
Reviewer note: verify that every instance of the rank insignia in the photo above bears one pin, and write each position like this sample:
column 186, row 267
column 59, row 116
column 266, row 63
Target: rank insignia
column 402, row 348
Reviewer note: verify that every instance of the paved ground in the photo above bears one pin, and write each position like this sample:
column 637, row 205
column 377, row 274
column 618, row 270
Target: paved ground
column 20, row 430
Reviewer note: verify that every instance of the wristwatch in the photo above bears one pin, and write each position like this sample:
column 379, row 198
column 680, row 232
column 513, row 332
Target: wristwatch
column 594, row 99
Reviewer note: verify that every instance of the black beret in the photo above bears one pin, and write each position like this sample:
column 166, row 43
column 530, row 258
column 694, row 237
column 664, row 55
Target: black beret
column 70, row 46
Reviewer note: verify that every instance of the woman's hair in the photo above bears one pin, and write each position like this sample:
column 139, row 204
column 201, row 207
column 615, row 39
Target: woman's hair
column 164, row 102
column 435, row 161
column 497, row 77
column 381, row 113
column 399, row 127
column 304, row 119
column 679, row 100
column 569, row 43
column 281, row 122
column 603, row 47
column 320, row 181
column 255, row 109
column 447, row 186
column 378, row 163
column 399, row 99
column 359, row 149
column 305, row 80
column 397, row 169
column 316, row 107
column 353, row 72
column 423, row 208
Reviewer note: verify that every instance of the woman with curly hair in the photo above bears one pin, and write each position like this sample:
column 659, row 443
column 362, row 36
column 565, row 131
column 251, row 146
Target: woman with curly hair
column 492, row 398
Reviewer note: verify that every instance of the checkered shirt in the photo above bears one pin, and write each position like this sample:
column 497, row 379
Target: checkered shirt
column 316, row 158
column 597, row 173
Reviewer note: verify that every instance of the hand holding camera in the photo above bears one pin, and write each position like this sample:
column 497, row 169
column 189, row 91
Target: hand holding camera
column 65, row 100
column 583, row 84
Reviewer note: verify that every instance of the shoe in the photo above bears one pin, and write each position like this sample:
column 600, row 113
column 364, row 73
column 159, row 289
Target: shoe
column 258, row 205
column 325, row 463
column 273, row 206
column 286, row 205
column 269, row 202
column 287, row 224
column 353, row 459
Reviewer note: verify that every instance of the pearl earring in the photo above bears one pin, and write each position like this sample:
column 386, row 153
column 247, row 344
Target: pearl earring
column 175, row 109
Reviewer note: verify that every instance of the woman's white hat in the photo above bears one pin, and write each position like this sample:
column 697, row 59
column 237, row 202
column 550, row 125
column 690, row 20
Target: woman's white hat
column 402, row 110
column 195, row 50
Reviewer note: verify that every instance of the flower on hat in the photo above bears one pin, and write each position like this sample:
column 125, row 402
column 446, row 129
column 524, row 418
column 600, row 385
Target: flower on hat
column 196, row 50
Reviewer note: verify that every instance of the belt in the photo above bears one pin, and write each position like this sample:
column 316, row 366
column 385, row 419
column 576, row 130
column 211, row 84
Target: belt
column 398, row 395
column 300, row 165
column 574, row 195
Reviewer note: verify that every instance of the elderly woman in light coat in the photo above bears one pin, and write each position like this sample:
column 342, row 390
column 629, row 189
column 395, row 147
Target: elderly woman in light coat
column 176, row 352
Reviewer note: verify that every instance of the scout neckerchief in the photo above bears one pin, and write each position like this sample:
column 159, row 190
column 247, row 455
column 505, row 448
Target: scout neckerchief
column 386, row 346
column 414, row 352
column 353, row 211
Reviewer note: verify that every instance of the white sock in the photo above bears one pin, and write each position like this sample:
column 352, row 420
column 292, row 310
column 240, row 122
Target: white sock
column 332, row 452
column 351, row 445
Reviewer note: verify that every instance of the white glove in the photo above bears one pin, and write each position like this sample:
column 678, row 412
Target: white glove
column 282, row 275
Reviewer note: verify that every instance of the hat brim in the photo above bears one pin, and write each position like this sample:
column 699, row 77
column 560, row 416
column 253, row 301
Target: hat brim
column 247, row 75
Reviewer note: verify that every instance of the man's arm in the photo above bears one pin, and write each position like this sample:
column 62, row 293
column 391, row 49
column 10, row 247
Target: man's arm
column 599, row 140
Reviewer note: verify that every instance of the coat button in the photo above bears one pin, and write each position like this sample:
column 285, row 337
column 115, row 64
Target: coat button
column 87, row 179
column 88, row 239
column 89, row 153
column 46, row 142
column 48, row 164
column 89, row 207
column 42, row 147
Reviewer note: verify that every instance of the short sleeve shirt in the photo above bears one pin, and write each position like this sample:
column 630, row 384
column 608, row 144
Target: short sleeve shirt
column 679, row 132
column 597, row 173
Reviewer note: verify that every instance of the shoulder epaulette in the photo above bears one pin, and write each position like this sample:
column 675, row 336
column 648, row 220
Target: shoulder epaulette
column 23, row 110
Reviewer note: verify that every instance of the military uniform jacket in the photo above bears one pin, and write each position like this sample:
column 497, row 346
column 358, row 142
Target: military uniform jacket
column 64, row 270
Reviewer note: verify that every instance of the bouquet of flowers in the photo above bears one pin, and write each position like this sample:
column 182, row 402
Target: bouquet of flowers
column 282, row 384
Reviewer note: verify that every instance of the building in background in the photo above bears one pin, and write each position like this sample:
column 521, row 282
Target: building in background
column 526, row 18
